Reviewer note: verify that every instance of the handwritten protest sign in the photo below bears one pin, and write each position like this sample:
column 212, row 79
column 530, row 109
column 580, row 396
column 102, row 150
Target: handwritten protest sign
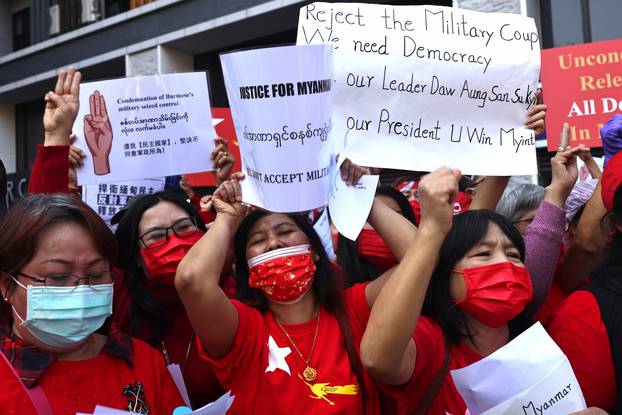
column 528, row 376
column 418, row 87
column 108, row 198
column 583, row 86
column 133, row 128
column 281, row 105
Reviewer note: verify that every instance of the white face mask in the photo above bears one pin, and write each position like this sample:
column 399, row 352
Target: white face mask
column 62, row 317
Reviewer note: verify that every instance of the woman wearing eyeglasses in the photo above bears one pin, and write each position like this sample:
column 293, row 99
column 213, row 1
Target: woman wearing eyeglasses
column 59, row 354
column 153, row 235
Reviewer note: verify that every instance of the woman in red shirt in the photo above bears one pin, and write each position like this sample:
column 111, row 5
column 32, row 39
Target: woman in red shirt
column 153, row 234
column 458, row 295
column 290, row 345
column 58, row 351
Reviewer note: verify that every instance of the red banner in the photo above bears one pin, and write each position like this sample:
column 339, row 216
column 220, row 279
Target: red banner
column 223, row 123
column 582, row 85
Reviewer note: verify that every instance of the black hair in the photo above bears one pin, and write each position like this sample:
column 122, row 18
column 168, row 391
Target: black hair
column 355, row 268
column 326, row 286
column 144, row 305
column 468, row 229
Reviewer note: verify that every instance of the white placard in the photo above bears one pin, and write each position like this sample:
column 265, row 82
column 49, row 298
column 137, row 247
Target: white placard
column 420, row 87
column 218, row 407
column 149, row 126
column 349, row 206
column 280, row 100
column 322, row 228
column 529, row 375
column 108, row 198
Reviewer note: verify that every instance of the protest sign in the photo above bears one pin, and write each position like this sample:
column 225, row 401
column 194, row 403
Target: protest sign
column 527, row 376
column 108, row 198
column 149, row 126
column 582, row 86
column 419, row 87
column 281, row 105
column 223, row 124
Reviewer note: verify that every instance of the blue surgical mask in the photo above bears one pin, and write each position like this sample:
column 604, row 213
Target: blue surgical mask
column 62, row 317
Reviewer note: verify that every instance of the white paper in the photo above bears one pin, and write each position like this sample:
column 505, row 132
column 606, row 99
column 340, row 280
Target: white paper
column 528, row 373
column 151, row 126
column 395, row 64
column 108, row 198
column 277, row 96
column 178, row 378
column 103, row 410
column 218, row 407
column 322, row 228
column 349, row 206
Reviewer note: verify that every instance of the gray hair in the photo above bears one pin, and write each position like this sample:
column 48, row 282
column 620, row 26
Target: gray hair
column 520, row 199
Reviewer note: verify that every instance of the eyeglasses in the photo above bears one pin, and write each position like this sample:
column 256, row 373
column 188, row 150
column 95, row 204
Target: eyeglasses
column 71, row 280
column 183, row 228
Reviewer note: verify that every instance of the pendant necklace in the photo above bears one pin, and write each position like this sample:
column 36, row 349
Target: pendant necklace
column 310, row 374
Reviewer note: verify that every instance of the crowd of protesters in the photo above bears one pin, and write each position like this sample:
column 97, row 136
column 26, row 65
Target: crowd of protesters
column 446, row 271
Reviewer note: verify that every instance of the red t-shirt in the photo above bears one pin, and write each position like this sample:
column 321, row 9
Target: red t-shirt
column 579, row 331
column 201, row 383
column 78, row 386
column 428, row 337
column 262, row 367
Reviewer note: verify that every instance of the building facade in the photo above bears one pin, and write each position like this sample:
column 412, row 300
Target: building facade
column 117, row 38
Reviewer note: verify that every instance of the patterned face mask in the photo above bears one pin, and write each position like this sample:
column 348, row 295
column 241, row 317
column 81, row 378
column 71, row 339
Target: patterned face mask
column 284, row 275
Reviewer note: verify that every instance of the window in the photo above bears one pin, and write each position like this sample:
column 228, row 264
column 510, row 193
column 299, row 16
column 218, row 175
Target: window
column 570, row 22
column 604, row 17
column 21, row 29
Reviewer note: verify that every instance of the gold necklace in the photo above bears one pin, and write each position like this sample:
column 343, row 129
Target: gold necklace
column 310, row 374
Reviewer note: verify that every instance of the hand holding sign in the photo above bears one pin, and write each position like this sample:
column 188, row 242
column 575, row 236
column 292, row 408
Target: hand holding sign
column 61, row 107
column 98, row 133
column 536, row 115
column 223, row 160
column 227, row 199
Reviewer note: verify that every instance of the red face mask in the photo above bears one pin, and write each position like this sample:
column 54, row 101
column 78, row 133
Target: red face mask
column 372, row 247
column 496, row 293
column 284, row 275
column 162, row 262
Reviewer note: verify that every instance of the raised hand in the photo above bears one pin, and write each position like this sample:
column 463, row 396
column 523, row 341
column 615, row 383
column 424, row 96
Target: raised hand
column 351, row 172
column 206, row 203
column 185, row 186
column 227, row 199
column 222, row 159
column 98, row 133
column 564, row 170
column 61, row 107
column 536, row 115
column 437, row 191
